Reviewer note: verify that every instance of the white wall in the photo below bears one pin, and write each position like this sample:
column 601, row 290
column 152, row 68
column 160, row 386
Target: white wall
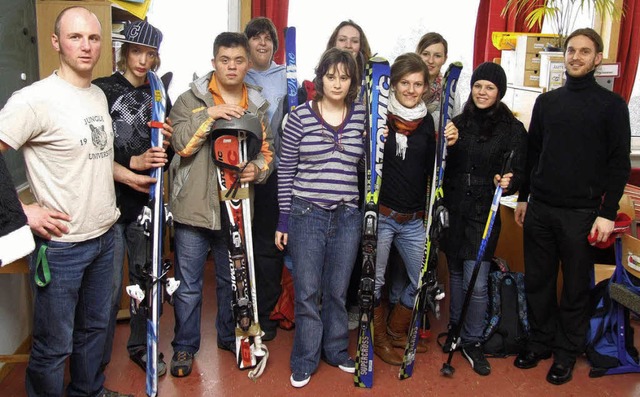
column 392, row 28
column 188, row 29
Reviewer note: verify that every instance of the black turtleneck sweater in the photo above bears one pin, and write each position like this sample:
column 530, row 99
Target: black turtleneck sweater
column 578, row 149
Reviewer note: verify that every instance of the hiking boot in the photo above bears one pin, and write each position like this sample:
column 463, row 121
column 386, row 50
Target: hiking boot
column 381, row 344
column 398, row 327
column 300, row 379
column 110, row 393
column 181, row 364
column 140, row 358
column 473, row 353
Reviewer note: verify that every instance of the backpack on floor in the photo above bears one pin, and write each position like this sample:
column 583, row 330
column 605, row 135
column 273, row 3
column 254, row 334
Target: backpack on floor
column 507, row 326
column 609, row 350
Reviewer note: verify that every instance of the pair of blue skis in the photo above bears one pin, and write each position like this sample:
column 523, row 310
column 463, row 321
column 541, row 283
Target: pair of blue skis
column 378, row 85
column 377, row 76
column 155, row 216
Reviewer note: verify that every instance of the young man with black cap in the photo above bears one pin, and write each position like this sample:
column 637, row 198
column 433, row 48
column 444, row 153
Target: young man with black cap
column 488, row 131
column 272, row 79
column 63, row 126
column 129, row 98
column 198, row 220
column 577, row 167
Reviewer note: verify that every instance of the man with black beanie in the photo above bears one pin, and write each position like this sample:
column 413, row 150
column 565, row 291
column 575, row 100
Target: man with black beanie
column 577, row 167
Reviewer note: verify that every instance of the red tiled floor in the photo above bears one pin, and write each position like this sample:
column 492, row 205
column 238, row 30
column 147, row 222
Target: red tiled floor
column 215, row 374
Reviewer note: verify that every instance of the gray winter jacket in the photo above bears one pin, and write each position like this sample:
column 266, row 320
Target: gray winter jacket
column 194, row 185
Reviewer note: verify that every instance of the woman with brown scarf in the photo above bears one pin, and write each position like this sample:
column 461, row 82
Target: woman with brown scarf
column 409, row 155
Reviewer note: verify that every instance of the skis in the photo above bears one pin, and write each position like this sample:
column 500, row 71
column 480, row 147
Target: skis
column 153, row 219
column 230, row 149
column 437, row 218
column 290, row 59
column 447, row 368
column 377, row 75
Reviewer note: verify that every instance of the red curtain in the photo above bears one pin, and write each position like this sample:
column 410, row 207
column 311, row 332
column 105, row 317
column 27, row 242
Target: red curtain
column 628, row 49
column 278, row 12
column 489, row 21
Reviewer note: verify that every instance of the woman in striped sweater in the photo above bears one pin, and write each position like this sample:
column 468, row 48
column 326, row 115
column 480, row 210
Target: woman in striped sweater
column 320, row 220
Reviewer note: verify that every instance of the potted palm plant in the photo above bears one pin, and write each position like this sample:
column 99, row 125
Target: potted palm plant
column 561, row 14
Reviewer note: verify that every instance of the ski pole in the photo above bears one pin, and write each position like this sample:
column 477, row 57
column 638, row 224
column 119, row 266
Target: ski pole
column 447, row 368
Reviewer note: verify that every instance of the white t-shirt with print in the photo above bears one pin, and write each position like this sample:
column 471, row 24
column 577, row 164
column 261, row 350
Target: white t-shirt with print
column 67, row 140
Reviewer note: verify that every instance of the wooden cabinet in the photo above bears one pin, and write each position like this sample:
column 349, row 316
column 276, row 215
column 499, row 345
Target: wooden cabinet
column 46, row 13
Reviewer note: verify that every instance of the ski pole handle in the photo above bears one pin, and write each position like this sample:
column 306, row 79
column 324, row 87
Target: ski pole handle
column 506, row 162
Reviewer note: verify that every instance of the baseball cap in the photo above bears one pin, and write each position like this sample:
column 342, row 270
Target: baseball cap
column 143, row 33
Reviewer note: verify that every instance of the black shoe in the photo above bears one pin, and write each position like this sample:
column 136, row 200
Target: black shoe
column 269, row 334
column 559, row 374
column 229, row 346
column 140, row 358
column 528, row 359
column 110, row 393
column 474, row 354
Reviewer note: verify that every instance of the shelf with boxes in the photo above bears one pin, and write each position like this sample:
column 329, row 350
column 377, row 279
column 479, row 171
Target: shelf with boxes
column 521, row 57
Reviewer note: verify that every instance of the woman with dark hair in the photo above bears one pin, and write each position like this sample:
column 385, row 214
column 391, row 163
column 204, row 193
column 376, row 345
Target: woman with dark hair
column 488, row 131
column 350, row 37
column 319, row 220
column 409, row 153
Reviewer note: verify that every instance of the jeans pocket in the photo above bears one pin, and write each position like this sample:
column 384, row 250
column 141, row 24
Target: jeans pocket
column 59, row 246
column 300, row 207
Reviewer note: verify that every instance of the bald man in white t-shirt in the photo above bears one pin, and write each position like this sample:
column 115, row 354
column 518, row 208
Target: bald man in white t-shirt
column 63, row 126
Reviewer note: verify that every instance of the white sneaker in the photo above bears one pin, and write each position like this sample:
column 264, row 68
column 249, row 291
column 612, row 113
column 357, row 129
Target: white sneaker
column 300, row 379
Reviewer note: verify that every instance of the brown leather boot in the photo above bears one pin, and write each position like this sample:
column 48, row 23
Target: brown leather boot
column 399, row 326
column 381, row 343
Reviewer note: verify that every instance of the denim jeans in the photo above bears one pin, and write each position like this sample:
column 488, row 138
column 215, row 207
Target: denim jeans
column 474, row 322
column 409, row 238
column 129, row 239
column 192, row 246
column 323, row 246
column 397, row 276
column 69, row 317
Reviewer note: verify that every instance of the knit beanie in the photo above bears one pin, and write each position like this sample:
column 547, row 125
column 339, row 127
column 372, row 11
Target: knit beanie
column 16, row 239
column 491, row 72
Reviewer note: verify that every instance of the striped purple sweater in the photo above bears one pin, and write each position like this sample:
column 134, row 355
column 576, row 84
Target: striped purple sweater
column 317, row 166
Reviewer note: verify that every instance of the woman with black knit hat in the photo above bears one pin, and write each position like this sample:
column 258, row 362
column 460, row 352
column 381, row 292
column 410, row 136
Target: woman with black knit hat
column 488, row 130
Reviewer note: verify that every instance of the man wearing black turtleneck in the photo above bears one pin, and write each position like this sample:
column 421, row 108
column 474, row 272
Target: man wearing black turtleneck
column 577, row 165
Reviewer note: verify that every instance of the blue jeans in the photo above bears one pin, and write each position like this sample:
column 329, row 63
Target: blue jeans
column 129, row 239
column 409, row 238
column 69, row 317
column 474, row 322
column 323, row 245
column 192, row 246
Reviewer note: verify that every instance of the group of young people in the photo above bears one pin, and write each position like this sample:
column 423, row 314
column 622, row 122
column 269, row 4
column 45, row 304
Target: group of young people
column 570, row 168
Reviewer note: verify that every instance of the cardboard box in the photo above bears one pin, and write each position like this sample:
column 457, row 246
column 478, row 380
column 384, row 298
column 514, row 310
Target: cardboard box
column 532, row 61
column 531, row 78
column 533, row 44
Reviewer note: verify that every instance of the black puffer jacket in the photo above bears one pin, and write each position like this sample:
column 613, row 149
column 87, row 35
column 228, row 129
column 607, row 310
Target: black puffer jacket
column 485, row 139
